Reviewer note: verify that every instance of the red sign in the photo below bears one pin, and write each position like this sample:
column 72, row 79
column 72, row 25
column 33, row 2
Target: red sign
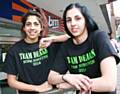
column 54, row 22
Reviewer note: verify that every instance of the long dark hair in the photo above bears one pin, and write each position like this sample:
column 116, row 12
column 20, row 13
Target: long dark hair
column 90, row 23
column 41, row 17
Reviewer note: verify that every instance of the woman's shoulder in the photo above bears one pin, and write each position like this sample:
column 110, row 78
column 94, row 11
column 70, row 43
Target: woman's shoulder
column 17, row 44
column 62, row 44
column 69, row 41
column 99, row 33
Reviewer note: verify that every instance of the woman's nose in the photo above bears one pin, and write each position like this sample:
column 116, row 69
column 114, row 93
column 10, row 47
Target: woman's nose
column 73, row 22
column 32, row 26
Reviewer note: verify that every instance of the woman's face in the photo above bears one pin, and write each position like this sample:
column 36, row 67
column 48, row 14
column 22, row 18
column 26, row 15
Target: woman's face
column 32, row 28
column 75, row 22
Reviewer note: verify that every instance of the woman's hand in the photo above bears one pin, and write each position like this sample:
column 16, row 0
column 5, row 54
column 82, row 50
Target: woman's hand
column 64, row 86
column 79, row 81
column 45, row 42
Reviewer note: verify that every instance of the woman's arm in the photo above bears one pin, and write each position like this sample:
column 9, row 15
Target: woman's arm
column 107, row 82
column 45, row 42
column 14, row 83
column 55, row 78
column 60, row 38
column 78, row 81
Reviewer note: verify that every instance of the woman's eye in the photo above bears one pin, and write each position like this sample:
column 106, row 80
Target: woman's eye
column 68, row 20
column 77, row 18
column 27, row 24
column 36, row 24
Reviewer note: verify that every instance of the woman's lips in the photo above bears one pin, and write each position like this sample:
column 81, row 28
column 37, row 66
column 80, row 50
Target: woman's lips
column 74, row 29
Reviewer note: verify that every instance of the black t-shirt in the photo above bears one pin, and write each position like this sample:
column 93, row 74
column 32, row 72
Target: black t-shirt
column 28, row 62
column 54, row 49
column 86, row 57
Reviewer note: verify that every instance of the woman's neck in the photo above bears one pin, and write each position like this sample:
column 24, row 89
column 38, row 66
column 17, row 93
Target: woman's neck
column 80, row 39
column 31, row 40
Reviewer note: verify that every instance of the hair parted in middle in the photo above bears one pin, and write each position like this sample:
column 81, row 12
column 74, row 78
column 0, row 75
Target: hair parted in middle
column 38, row 12
column 90, row 23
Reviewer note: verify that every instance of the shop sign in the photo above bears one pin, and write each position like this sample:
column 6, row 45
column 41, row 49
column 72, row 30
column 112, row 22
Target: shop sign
column 53, row 23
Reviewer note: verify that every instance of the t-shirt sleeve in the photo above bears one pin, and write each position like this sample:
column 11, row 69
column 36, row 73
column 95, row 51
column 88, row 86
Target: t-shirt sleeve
column 59, row 64
column 104, row 47
column 10, row 66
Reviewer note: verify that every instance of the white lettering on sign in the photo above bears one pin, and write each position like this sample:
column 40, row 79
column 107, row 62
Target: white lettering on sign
column 53, row 23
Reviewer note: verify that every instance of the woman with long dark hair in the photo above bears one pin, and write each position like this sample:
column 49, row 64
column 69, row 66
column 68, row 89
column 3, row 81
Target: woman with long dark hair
column 88, row 55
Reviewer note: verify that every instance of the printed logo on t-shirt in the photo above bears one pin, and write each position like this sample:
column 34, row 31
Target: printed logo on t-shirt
column 81, row 62
column 34, row 57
